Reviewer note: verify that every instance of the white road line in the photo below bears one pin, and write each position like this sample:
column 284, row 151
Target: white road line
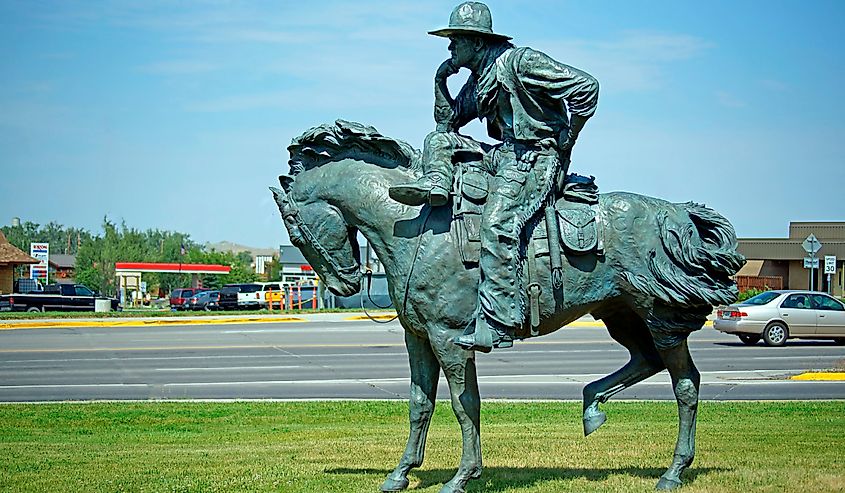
column 812, row 356
column 219, row 368
column 150, row 358
column 179, row 358
column 530, row 354
column 756, row 377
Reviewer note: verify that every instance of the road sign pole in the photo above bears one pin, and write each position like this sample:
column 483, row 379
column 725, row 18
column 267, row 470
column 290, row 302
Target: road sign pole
column 813, row 272
column 829, row 288
column 812, row 261
column 812, row 245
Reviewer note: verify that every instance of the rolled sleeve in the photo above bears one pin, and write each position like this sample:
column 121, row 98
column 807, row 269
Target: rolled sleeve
column 541, row 74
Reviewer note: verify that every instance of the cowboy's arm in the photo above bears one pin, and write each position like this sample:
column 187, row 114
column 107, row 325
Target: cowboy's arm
column 451, row 114
column 443, row 101
column 578, row 90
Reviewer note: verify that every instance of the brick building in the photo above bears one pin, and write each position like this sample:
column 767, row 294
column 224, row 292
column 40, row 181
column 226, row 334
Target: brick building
column 779, row 262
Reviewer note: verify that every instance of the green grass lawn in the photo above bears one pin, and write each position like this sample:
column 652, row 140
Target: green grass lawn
column 351, row 446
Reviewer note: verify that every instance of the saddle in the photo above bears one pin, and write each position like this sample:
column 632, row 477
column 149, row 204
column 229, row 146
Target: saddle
column 572, row 226
column 578, row 218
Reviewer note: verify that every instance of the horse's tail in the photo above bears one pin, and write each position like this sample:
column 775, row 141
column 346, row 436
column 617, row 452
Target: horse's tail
column 700, row 258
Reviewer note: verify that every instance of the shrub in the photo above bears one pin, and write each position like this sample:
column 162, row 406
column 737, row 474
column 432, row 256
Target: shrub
column 750, row 293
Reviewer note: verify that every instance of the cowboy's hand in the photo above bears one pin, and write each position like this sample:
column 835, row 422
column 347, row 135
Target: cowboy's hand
column 566, row 140
column 445, row 70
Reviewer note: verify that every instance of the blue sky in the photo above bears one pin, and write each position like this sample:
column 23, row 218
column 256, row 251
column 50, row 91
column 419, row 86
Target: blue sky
column 177, row 115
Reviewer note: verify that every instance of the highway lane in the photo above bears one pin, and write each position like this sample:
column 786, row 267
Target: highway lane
column 363, row 360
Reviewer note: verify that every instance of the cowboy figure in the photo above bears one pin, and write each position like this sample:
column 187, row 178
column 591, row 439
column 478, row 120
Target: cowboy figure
column 535, row 107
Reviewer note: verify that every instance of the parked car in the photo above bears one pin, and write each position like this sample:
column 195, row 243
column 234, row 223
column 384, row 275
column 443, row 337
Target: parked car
column 776, row 316
column 240, row 296
column 55, row 297
column 271, row 292
column 206, row 300
column 178, row 297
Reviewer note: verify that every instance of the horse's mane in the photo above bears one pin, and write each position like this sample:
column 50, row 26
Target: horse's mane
column 326, row 143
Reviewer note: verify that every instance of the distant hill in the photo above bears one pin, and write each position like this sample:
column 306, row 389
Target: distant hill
column 228, row 246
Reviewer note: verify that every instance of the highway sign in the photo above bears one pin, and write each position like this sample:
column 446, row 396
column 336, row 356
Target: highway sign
column 40, row 252
column 830, row 264
column 811, row 263
column 812, row 244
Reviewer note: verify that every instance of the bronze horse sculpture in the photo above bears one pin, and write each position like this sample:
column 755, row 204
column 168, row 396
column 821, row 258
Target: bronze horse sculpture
column 665, row 265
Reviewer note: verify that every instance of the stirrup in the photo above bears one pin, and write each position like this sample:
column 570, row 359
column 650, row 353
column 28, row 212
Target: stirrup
column 485, row 342
column 471, row 343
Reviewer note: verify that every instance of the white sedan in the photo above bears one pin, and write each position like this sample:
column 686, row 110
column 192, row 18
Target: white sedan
column 776, row 316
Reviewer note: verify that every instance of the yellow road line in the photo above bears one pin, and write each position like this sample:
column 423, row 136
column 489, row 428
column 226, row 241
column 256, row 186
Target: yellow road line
column 111, row 322
column 820, row 376
column 115, row 322
column 356, row 318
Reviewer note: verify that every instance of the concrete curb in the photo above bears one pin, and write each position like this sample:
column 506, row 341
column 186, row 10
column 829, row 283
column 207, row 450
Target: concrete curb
column 586, row 321
column 189, row 320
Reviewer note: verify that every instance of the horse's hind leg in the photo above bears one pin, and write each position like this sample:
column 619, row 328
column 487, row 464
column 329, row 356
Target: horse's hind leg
column 425, row 372
column 685, row 381
column 630, row 331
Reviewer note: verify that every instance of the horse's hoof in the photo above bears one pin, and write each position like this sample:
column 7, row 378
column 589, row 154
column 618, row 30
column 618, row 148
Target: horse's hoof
column 666, row 484
column 593, row 419
column 448, row 488
column 391, row 484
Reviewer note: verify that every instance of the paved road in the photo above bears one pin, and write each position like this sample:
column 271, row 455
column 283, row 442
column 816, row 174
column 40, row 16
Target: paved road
column 363, row 360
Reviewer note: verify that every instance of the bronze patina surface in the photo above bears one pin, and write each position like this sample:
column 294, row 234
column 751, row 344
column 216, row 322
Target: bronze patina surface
column 486, row 244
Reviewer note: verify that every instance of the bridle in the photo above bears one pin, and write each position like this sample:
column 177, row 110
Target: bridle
column 350, row 274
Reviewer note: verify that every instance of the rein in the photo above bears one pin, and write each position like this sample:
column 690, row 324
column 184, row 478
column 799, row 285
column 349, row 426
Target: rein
column 350, row 274
column 369, row 274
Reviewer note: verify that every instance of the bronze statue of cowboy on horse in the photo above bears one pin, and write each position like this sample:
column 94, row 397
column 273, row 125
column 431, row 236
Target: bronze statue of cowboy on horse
column 483, row 244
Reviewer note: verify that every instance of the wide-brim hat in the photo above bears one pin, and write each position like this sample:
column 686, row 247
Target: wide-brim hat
column 470, row 18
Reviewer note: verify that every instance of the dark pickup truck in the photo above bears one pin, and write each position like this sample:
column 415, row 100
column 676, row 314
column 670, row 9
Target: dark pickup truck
column 55, row 298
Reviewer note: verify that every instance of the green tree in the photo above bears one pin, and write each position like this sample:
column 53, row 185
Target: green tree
column 60, row 238
column 96, row 255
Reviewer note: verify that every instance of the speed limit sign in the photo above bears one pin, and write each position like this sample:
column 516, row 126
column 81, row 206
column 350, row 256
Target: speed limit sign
column 830, row 264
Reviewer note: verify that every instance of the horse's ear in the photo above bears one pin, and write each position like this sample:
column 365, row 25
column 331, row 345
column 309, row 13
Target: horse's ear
column 280, row 196
column 285, row 181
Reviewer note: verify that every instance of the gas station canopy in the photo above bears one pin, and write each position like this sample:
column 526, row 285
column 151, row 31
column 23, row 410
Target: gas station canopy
column 171, row 268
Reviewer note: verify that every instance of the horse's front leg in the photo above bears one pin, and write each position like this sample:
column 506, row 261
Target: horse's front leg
column 425, row 372
column 685, row 381
column 459, row 367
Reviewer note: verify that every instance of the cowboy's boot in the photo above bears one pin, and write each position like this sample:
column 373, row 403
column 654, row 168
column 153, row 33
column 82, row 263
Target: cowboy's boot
column 481, row 336
column 436, row 182
column 429, row 188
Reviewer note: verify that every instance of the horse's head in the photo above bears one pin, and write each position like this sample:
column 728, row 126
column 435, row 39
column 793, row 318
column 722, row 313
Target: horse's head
column 321, row 233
